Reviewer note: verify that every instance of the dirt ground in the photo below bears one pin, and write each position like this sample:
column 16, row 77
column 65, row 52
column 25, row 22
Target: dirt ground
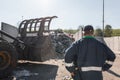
column 54, row 69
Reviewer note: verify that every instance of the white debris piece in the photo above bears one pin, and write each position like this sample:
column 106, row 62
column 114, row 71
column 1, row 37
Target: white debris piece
column 24, row 72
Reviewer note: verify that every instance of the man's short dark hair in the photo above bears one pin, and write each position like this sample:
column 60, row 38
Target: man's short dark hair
column 88, row 28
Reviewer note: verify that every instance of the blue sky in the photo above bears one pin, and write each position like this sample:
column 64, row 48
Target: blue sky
column 71, row 13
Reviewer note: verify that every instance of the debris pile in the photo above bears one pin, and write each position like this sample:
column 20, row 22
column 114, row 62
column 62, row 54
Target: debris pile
column 61, row 41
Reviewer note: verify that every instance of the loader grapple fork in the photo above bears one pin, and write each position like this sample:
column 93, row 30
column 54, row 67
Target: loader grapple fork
column 35, row 25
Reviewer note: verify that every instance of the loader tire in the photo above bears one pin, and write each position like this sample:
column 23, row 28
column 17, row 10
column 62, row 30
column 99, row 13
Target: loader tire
column 8, row 59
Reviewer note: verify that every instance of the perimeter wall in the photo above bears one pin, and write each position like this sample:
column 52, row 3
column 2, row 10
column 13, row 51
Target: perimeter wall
column 112, row 42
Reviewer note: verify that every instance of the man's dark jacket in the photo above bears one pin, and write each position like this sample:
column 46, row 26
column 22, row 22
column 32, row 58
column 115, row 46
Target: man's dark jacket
column 90, row 57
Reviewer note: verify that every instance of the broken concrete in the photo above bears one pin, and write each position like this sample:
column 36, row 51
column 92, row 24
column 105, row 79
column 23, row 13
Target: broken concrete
column 61, row 41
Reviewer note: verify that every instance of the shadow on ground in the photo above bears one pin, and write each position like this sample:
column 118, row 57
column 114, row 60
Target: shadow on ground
column 113, row 73
column 33, row 71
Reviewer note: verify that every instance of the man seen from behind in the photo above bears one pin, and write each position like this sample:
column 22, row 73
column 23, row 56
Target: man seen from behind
column 86, row 58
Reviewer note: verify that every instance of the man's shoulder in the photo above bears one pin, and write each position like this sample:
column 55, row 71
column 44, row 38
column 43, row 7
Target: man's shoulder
column 78, row 41
column 100, row 39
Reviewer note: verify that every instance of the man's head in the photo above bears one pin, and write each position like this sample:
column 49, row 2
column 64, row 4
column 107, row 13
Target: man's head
column 88, row 30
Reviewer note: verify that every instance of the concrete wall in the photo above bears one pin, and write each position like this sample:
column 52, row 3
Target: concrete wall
column 113, row 43
column 77, row 35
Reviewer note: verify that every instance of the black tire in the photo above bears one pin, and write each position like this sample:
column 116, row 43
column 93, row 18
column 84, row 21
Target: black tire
column 8, row 59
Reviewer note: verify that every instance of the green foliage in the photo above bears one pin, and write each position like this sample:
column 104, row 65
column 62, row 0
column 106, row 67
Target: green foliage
column 108, row 31
column 116, row 32
column 70, row 31
column 98, row 32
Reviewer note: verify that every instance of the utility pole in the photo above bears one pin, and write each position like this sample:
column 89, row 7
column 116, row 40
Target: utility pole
column 103, row 18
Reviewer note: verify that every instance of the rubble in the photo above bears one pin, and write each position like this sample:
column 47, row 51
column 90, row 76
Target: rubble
column 61, row 41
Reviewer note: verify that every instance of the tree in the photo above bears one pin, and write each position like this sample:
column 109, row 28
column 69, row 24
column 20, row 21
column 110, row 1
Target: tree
column 108, row 31
column 98, row 32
